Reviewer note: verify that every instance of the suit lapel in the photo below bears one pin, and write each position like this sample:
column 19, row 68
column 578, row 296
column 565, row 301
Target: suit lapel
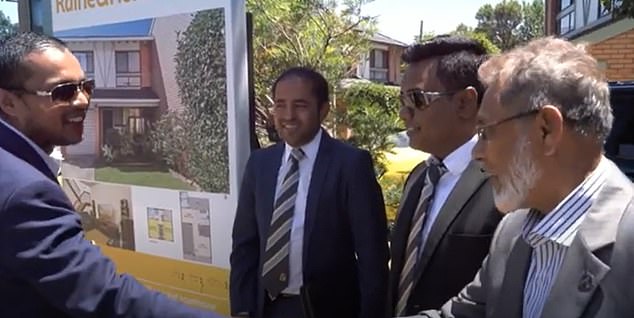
column 270, row 173
column 317, row 180
column 407, row 206
column 511, row 296
column 471, row 179
column 19, row 147
column 585, row 266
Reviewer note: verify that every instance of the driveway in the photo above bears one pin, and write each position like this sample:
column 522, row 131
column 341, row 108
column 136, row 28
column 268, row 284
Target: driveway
column 79, row 167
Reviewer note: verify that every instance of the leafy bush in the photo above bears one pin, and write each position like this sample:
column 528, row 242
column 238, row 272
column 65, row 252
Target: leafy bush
column 201, row 77
column 168, row 139
column 392, row 191
column 370, row 111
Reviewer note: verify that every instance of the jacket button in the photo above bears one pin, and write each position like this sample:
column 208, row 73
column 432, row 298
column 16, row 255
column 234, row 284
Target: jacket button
column 586, row 283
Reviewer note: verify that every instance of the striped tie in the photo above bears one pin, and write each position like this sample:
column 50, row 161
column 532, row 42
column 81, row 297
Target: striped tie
column 275, row 270
column 434, row 171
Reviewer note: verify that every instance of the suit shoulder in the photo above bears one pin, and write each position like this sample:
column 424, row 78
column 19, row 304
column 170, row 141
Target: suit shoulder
column 16, row 173
column 257, row 154
column 342, row 147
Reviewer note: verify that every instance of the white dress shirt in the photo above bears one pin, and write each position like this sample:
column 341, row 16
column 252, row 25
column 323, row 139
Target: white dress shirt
column 310, row 150
column 456, row 163
column 550, row 236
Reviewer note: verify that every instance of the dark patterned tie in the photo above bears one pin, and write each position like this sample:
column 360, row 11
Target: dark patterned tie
column 275, row 270
column 433, row 173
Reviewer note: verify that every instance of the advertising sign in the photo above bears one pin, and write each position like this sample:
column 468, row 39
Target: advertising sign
column 156, row 176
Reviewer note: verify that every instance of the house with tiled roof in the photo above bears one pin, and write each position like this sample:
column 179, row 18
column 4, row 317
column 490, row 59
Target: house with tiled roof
column 133, row 66
column 383, row 63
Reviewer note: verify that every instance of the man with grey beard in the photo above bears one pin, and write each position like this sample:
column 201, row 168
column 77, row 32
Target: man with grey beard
column 568, row 249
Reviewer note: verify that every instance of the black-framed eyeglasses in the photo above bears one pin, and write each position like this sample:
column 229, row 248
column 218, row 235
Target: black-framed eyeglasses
column 65, row 92
column 483, row 130
column 420, row 99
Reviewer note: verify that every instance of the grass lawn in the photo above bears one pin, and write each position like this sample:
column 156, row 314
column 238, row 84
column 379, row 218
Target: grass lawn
column 150, row 176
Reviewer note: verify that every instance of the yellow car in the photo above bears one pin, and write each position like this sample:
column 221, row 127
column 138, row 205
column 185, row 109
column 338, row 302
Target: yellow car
column 399, row 161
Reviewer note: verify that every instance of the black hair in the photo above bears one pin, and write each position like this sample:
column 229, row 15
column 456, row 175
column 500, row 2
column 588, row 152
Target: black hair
column 318, row 82
column 14, row 48
column 458, row 63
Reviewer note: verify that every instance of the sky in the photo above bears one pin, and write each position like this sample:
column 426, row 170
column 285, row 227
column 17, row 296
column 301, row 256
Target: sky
column 10, row 9
column 399, row 19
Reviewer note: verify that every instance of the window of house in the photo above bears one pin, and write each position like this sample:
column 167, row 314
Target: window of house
column 136, row 125
column 603, row 11
column 379, row 65
column 87, row 61
column 567, row 23
column 128, row 67
column 378, row 58
column 566, row 3
column 117, row 117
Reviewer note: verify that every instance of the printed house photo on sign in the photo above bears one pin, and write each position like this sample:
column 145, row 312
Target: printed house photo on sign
column 160, row 224
column 196, row 227
column 158, row 116
column 105, row 211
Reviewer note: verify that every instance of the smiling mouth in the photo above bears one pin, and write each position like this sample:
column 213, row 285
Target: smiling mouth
column 75, row 118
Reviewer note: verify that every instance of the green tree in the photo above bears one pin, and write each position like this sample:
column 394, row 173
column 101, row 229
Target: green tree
column 371, row 111
column 201, row 77
column 322, row 34
column 6, row 27
column 620, row 9
column 510, row 22
column 467, row 31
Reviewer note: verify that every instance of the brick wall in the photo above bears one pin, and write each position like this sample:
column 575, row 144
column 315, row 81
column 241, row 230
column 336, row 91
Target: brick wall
column 616, row 55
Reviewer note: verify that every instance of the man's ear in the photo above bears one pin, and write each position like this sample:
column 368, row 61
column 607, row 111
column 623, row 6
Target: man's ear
column 324, row 109
column 467, row 103
column 550, row 122
column 8, row 103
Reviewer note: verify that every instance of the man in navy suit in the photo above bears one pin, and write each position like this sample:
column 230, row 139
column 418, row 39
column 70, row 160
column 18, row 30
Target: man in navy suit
column 47, row 267
column 310, row 234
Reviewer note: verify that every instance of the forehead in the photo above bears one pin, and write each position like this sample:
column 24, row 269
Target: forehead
column 491, row 108
column 52, row 66
column 294, row 88
column 421, row 75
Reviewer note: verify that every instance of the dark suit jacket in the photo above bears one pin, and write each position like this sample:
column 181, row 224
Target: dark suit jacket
column 47, row 268
column 457, row 243
column 596, row 278
column 345, row 252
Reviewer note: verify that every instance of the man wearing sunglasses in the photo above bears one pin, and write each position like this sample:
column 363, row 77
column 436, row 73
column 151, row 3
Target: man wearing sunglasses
column 47, row 267
column 446, row 218
column 567, row 250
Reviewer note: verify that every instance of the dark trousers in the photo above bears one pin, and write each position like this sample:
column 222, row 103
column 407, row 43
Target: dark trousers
column 284, row 306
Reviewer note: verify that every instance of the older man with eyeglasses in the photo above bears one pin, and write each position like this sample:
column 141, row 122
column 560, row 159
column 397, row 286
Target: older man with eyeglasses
column 47, row 267
column 567, row 250
column 446, row 218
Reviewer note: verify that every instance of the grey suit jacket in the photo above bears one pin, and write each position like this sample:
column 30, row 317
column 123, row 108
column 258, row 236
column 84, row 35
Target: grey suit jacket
column 596, row 278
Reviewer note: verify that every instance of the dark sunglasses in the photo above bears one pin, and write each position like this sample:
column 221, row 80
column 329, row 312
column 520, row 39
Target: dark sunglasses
column 421, row 99
column 66, row 92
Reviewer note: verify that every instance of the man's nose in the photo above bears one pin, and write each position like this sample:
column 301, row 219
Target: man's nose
column 81, row 100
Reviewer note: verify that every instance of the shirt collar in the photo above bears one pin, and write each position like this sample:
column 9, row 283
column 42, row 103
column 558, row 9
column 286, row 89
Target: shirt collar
column 52, row 164
column 310, row 149
column 458, row 160
column 562, row 223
